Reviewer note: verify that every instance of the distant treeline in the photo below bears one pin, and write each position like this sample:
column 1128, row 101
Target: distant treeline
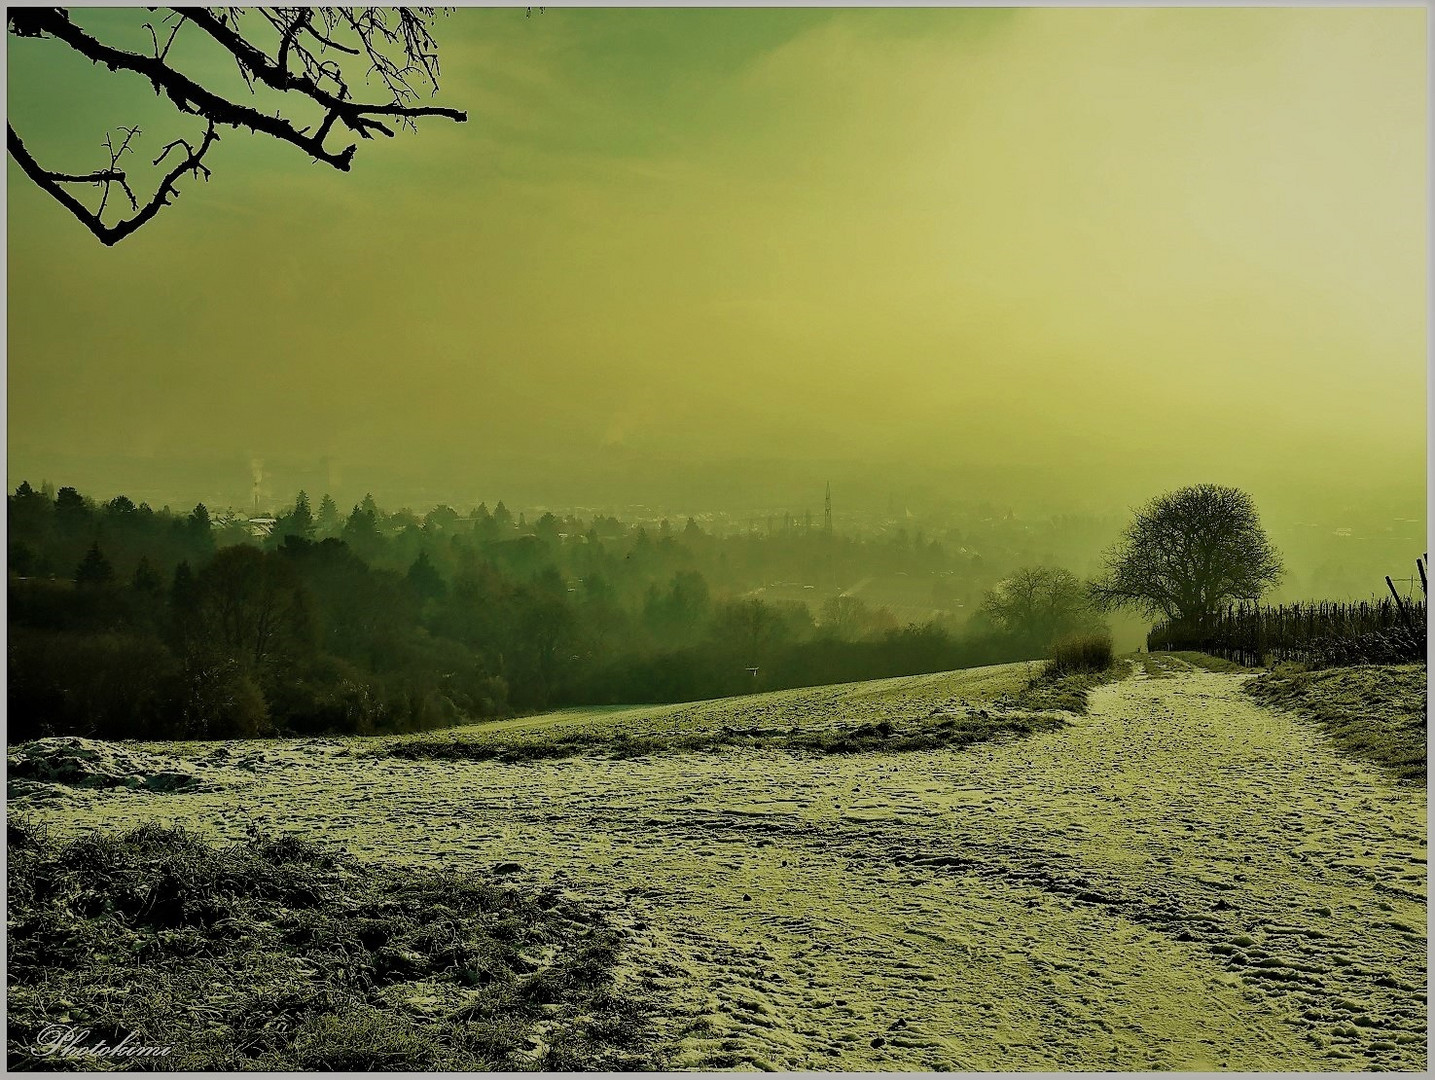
column 126, row 621
column 1325, row 634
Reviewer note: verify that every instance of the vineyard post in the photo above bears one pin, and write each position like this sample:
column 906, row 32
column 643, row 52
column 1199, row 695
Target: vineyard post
column 1399, row 605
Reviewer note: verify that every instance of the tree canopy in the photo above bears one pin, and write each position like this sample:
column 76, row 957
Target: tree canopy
column 1189, row 553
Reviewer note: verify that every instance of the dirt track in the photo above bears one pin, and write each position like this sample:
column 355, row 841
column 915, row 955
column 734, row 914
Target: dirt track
column 1180, row 879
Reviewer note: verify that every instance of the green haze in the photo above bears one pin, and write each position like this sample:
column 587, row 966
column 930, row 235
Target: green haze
column 1049, row 259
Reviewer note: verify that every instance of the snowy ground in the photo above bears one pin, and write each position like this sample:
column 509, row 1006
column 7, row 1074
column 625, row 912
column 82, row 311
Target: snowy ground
column 1180, row 879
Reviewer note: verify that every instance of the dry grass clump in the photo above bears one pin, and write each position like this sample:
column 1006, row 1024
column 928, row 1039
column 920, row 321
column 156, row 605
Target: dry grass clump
column 1377, row 713
column 938, row 731
column 1078, row 654
column 1207, row 662
column 276, row 955
column 1079, row 664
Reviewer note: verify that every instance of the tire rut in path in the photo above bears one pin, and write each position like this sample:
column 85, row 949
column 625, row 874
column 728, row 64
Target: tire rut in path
column 1181, row 878
column 1218, row 822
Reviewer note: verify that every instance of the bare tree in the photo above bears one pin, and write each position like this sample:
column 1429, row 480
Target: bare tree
column 307, row 56
column 845, row 616
column 1039, row 603
column 1189, row 553
column 750, row 628
column 251, row 607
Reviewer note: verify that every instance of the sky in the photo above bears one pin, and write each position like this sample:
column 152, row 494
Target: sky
column 1053, row 258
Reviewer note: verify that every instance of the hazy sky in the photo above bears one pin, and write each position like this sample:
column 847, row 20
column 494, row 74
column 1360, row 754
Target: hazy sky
column 1096, row 252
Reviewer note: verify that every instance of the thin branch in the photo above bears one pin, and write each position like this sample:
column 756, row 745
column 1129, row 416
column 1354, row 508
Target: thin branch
column 329, row 43
column 159, row 53
column 114, row 175
column 353, row 114
column 296, row 28
column 110, row 234
column 170, row 146
column 192, row 98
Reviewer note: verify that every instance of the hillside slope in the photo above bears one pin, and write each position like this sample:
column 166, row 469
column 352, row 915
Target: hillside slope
column 1179, row 879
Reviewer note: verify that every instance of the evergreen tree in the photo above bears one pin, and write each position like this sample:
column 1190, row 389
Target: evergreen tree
column 200, row 525
column 328, row 523
column 30, row 516
column 546, row 528
column 485, row 527
column 361, row 531
column 72, row 513
column 94, row 568
column 302, row 519
column 424, row 578
column 147, row 579
column 360, row 523
column 297, row 522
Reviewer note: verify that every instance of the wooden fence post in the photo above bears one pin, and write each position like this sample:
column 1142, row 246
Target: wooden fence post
column 1399, row 606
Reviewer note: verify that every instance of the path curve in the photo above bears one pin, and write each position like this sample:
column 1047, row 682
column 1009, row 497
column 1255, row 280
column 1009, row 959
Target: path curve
column 1180, row 879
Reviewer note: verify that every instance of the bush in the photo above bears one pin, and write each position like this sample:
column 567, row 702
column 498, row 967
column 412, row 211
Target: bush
column 1077, row 653
column 221, row 701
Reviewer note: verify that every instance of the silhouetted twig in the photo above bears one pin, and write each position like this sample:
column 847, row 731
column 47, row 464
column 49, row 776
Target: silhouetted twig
column 395, row 41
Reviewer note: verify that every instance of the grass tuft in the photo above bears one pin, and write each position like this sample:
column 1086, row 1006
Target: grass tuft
column 1375, row 712
column 1052, row 691
column 942, row 729
column 277, row 955
column 1207, row 662
column 1081, row 654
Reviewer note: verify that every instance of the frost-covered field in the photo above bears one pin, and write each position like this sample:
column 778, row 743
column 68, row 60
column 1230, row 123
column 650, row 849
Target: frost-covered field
column 1179, row 879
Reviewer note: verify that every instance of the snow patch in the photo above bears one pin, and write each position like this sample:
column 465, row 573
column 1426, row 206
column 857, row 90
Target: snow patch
column 43, row 768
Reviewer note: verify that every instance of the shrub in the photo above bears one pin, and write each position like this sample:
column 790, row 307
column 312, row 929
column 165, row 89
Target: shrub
column 221, row 701
column 1077, row 653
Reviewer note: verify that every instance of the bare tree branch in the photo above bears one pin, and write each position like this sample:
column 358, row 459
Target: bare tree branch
column 159, row 53
column 187, row 95
column 109, row 234
column 300, row 68
column 274, row 75
column 113, row 175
